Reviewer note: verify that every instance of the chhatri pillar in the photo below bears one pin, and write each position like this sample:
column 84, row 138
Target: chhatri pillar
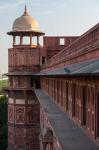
column 23, row 106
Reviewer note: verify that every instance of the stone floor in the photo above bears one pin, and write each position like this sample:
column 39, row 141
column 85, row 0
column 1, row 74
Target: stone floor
column 70, row 136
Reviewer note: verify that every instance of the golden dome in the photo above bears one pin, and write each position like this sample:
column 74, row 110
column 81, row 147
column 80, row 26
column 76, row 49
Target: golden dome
column 26, row 23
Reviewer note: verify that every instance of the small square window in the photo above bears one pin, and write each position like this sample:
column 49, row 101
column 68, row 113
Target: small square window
column 62, row 41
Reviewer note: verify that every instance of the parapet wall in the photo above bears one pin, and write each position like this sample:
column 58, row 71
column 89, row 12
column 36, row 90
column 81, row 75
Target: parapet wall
column 54, row 44
column 84, row 48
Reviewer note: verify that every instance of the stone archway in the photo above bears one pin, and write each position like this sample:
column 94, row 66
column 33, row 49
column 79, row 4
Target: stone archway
column 47, row 139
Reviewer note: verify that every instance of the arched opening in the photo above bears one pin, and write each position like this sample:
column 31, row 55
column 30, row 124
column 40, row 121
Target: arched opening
column 43, row 60
column 10, row 81
column 17, row 40
column 48, row 139
column 33, row 83
column 41, row 41
column 34, row 40
column 26, row 40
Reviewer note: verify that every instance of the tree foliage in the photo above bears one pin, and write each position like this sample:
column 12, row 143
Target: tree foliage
column 3, row 122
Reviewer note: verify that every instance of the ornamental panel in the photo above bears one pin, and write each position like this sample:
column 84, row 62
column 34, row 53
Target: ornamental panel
column 11, row 135
column 11, row 113
column 20, row 114
column 32, row 115
column 20, row 136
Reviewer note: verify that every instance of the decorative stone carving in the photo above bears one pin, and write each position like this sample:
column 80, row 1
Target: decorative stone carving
column 32, row 115
column 11, row 135
column 20, row 136
column 20, row 114
column 10, row 113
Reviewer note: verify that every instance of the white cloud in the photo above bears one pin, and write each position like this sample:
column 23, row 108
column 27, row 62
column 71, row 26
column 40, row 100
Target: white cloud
column 6, row 6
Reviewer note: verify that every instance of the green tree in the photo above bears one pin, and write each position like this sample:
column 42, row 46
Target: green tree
column 3, row 123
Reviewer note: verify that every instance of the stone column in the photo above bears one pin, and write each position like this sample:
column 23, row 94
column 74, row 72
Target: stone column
column 13, row 40
column 30, row 39
column 37, row 40
column 21, row 40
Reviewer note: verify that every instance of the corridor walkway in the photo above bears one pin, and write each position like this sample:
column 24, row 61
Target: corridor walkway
column 70, row 136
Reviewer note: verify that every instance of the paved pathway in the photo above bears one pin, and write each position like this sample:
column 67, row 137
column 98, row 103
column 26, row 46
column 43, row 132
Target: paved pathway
column 70, row 136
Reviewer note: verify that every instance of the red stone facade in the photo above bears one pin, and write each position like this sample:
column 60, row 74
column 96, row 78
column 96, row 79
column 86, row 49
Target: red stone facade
column 23, row 122
column 53, row 45
column 84, row 48
column 23, row 106
column 20, row 59
column 52, row 141
column 77, row 96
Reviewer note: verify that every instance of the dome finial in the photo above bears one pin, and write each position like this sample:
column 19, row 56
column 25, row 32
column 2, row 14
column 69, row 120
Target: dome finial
column 25, row 11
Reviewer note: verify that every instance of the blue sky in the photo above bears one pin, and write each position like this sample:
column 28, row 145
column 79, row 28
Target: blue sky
column 56, row 17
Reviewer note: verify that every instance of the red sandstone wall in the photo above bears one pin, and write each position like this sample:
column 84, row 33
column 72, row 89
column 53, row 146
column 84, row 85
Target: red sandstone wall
column 45, row 123
column 20, row 59
column 76, row 96
column 84, row 48
column 23, row 106
column 53, row 45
